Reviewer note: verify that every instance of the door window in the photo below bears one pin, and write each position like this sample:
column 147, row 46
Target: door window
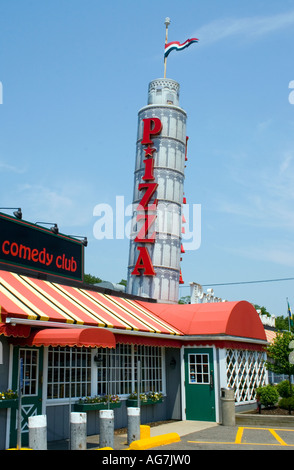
column 30, row 371
column 28, row 364
column 198, row 368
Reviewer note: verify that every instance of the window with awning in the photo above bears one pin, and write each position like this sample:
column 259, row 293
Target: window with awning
column 102, row 371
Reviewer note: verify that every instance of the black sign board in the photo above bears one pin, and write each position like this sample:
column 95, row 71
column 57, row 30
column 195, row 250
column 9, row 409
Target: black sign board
column 36, row 248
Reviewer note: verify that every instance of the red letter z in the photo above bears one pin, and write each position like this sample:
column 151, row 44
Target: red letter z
column 151, row 188
column 149, row 220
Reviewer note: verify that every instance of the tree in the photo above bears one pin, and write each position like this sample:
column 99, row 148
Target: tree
column 282, row 323
column 89, row 279
column 263, row 310
column 185, row 300
column 278, row 355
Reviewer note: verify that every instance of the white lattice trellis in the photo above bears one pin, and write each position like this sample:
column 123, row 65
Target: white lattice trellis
column 245, row 372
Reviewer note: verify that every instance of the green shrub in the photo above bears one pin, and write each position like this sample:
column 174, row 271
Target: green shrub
column 268, row 395
column 284, row 389
column 287, row 403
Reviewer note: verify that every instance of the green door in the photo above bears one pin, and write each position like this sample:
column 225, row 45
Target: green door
column 31, row 403
column 199, row 384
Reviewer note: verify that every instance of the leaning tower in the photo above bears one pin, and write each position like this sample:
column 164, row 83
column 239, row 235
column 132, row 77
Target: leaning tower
column 155, row 245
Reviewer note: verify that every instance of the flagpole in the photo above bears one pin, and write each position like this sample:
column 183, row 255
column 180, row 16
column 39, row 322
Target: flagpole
column 167, row 23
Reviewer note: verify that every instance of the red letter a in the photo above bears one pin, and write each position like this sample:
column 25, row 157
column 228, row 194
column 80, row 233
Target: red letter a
column 143, row 262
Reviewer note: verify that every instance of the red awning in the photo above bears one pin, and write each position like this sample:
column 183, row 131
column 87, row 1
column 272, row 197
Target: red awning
column 226, row 318
column 88, row 337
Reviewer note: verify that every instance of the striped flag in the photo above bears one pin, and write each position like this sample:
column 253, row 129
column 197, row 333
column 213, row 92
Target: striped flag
column 176, row 46
column 290, row 314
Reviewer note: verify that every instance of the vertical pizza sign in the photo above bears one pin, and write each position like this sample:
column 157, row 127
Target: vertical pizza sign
column 146, row 210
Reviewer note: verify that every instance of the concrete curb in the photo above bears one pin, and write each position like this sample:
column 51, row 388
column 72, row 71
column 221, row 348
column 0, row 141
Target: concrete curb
column 155, row 441
column 264, row 420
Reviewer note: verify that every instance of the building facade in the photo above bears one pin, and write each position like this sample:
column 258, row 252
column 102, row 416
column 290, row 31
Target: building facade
column 72, row 341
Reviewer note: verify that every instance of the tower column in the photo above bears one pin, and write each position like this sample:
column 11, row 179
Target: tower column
column 155, row 246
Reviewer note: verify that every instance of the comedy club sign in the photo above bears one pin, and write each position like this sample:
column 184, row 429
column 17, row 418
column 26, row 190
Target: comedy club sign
column 35, row 248
column 146, row 211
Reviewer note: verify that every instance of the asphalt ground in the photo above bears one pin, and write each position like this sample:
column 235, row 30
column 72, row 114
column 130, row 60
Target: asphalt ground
column 195, row 436
column 206, row 436
column 234, row 438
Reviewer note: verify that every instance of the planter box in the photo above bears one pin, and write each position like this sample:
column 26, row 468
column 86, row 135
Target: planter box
column 134, row 403
column 9, row 403
column 95, row 406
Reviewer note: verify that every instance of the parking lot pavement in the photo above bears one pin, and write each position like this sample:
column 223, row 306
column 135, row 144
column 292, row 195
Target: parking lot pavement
column 235, row 438
column 197, row 435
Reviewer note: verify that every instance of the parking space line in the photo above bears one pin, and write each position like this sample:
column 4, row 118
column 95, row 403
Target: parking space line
column 239, row 436
column 276, row 436
column 240, row 443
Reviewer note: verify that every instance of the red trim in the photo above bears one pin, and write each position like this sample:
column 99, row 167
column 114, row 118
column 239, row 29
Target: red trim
column 169, row 343
column 226, row 344
column 148, row 341
column 15, row 331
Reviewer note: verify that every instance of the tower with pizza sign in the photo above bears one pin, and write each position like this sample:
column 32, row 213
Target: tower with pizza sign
column 155, row 245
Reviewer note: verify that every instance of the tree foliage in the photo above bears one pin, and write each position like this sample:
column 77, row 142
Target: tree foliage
column 185, row 300
column 278, row 354
column 263, row 310
column 268, row 395
column 282, row 323
column 89, row 279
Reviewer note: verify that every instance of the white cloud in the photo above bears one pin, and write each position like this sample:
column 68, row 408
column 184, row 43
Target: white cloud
column 247, row 28
column 65, row 205
column 273, row 251
column 6, row 167
column 286, row 163
column 263, row 197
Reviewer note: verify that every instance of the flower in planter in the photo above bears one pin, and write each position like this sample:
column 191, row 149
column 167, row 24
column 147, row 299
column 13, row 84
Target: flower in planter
column 144, row 397
column 114, row 399
column 96, row 399
column 134, row 396
column 100, row 399
column 154, row 396
column 9, row 395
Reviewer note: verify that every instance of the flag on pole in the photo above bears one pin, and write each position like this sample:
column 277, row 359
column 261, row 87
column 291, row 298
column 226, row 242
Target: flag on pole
column 176, row 46
column 290, row 314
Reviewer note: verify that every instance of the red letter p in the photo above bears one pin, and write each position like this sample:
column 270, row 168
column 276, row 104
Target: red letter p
column 156, row 125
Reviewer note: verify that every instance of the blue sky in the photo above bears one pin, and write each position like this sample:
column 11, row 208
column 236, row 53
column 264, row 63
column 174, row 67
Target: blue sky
column 74, row 75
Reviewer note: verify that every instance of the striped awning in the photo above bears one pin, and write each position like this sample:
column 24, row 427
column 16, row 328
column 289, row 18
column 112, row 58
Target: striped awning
column 270, row 335
column 35, row 299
